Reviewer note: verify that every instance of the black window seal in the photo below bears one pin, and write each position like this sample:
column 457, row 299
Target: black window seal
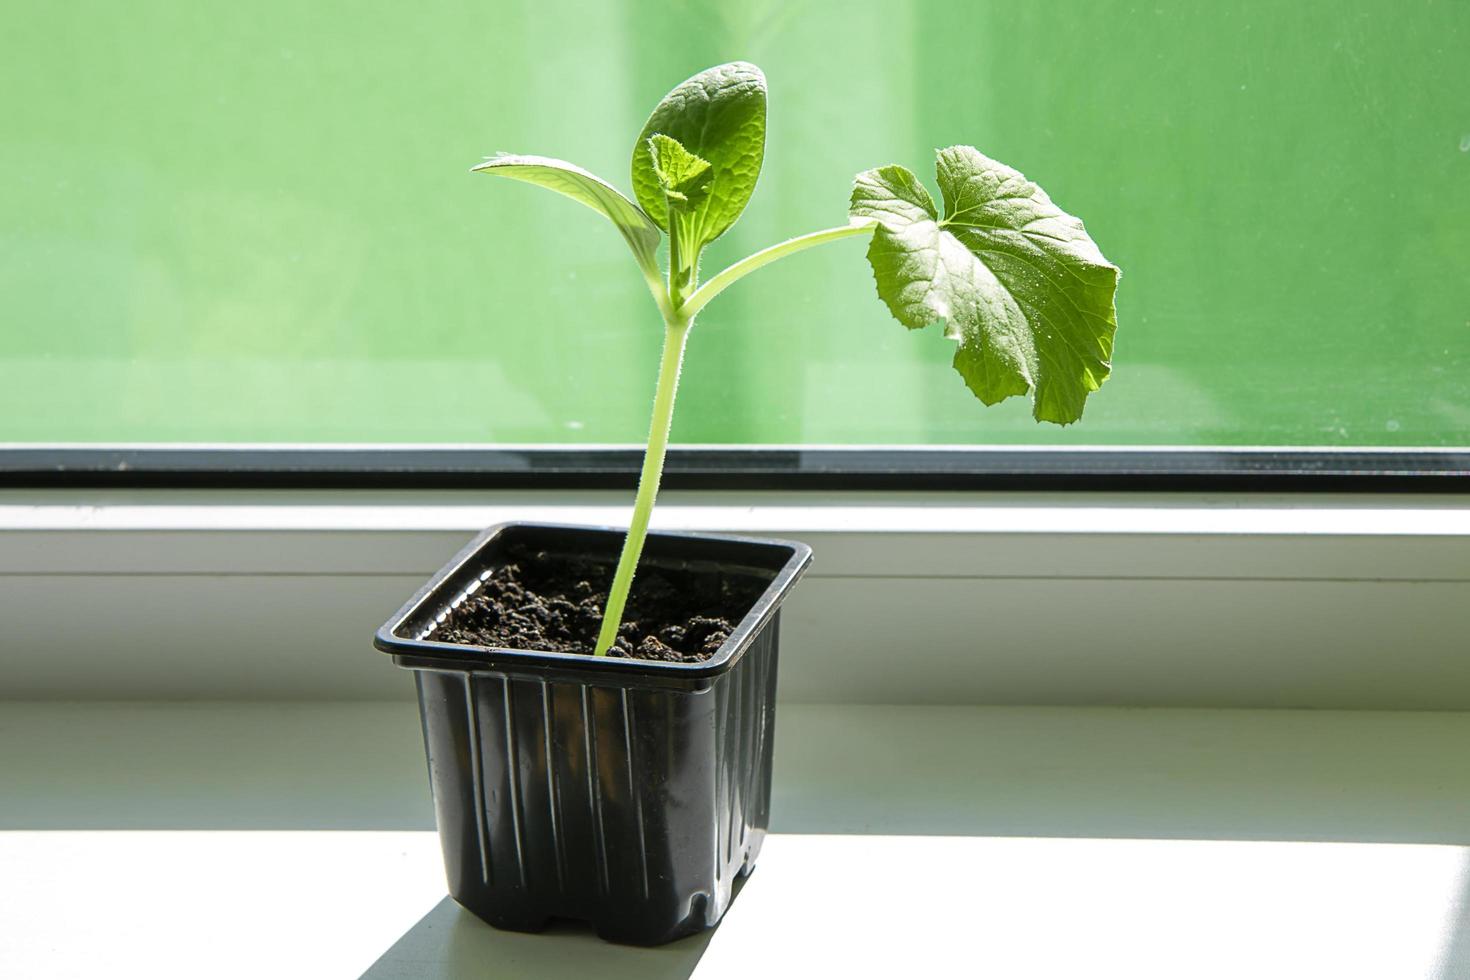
column 939, row 468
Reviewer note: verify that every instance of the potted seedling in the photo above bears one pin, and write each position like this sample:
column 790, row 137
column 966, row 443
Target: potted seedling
column 598, row 705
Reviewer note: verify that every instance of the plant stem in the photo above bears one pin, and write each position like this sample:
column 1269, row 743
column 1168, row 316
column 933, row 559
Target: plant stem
column 676, row 331
column 679, row 316
column 765, row 256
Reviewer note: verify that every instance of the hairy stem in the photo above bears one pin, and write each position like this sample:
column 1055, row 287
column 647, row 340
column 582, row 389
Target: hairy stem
column 679, row 314
column 766, row 256
column 676, row 331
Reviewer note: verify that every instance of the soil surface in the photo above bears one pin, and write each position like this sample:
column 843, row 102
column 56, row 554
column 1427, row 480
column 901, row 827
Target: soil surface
column 546, row 601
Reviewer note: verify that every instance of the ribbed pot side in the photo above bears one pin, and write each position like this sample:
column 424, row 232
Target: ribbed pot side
column 628, row 805
column 628, row 794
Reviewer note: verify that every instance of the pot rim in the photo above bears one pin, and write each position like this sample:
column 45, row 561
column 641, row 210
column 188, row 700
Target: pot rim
column 422, row 654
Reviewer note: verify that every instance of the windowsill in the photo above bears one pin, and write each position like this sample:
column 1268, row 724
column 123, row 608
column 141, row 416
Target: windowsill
column 1185, row 600
column 790, row 511
column 295, row 839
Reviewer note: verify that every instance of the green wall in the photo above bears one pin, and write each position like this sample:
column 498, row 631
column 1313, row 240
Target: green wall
column 254, row 222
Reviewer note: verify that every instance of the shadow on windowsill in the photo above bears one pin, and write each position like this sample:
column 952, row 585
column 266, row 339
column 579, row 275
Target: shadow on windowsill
column 450, row 943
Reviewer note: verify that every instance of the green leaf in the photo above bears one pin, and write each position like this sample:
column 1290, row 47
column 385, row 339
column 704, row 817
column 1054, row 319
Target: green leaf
column 718, row 115
column 684, row 177
column 641, row 234
column 1017, row 281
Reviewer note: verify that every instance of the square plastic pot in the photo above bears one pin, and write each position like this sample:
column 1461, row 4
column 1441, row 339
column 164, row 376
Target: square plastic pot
column 629, row 794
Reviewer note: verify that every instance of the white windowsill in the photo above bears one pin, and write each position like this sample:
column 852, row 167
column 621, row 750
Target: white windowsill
column 294, row 840
column 959, row 598
column 750, row 512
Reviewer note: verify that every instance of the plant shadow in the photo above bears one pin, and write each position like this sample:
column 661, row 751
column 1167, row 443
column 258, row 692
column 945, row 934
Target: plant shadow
column 450, row 943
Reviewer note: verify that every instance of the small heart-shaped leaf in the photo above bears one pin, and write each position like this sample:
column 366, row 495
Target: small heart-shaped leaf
column 684, row 177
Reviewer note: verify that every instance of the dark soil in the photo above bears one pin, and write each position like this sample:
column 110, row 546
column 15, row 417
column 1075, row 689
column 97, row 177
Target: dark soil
column 546, row 601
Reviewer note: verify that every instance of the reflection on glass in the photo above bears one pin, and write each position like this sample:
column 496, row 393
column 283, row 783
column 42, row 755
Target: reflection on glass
column 256, row 223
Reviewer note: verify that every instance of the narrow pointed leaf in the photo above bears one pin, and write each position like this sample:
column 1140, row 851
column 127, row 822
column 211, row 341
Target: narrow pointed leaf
column 718, row 115
column 641, row 234
column 1017, row 281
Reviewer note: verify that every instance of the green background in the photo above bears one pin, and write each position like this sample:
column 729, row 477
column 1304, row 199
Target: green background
column 254, row 222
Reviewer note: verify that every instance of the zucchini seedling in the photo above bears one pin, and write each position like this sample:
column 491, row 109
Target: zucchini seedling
column 1020, row 288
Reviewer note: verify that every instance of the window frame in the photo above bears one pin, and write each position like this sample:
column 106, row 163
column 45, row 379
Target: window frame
column 722, row 467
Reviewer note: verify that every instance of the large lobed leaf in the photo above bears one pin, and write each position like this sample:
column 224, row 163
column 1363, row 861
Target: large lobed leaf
column 718, row 116
column 1017, row 281
column 641, row 234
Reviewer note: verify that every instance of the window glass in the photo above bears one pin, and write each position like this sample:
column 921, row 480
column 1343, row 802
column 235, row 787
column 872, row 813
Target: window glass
column 254, row 222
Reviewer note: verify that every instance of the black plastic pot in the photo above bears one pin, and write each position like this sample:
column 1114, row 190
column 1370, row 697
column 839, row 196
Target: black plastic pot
column 626, row 793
